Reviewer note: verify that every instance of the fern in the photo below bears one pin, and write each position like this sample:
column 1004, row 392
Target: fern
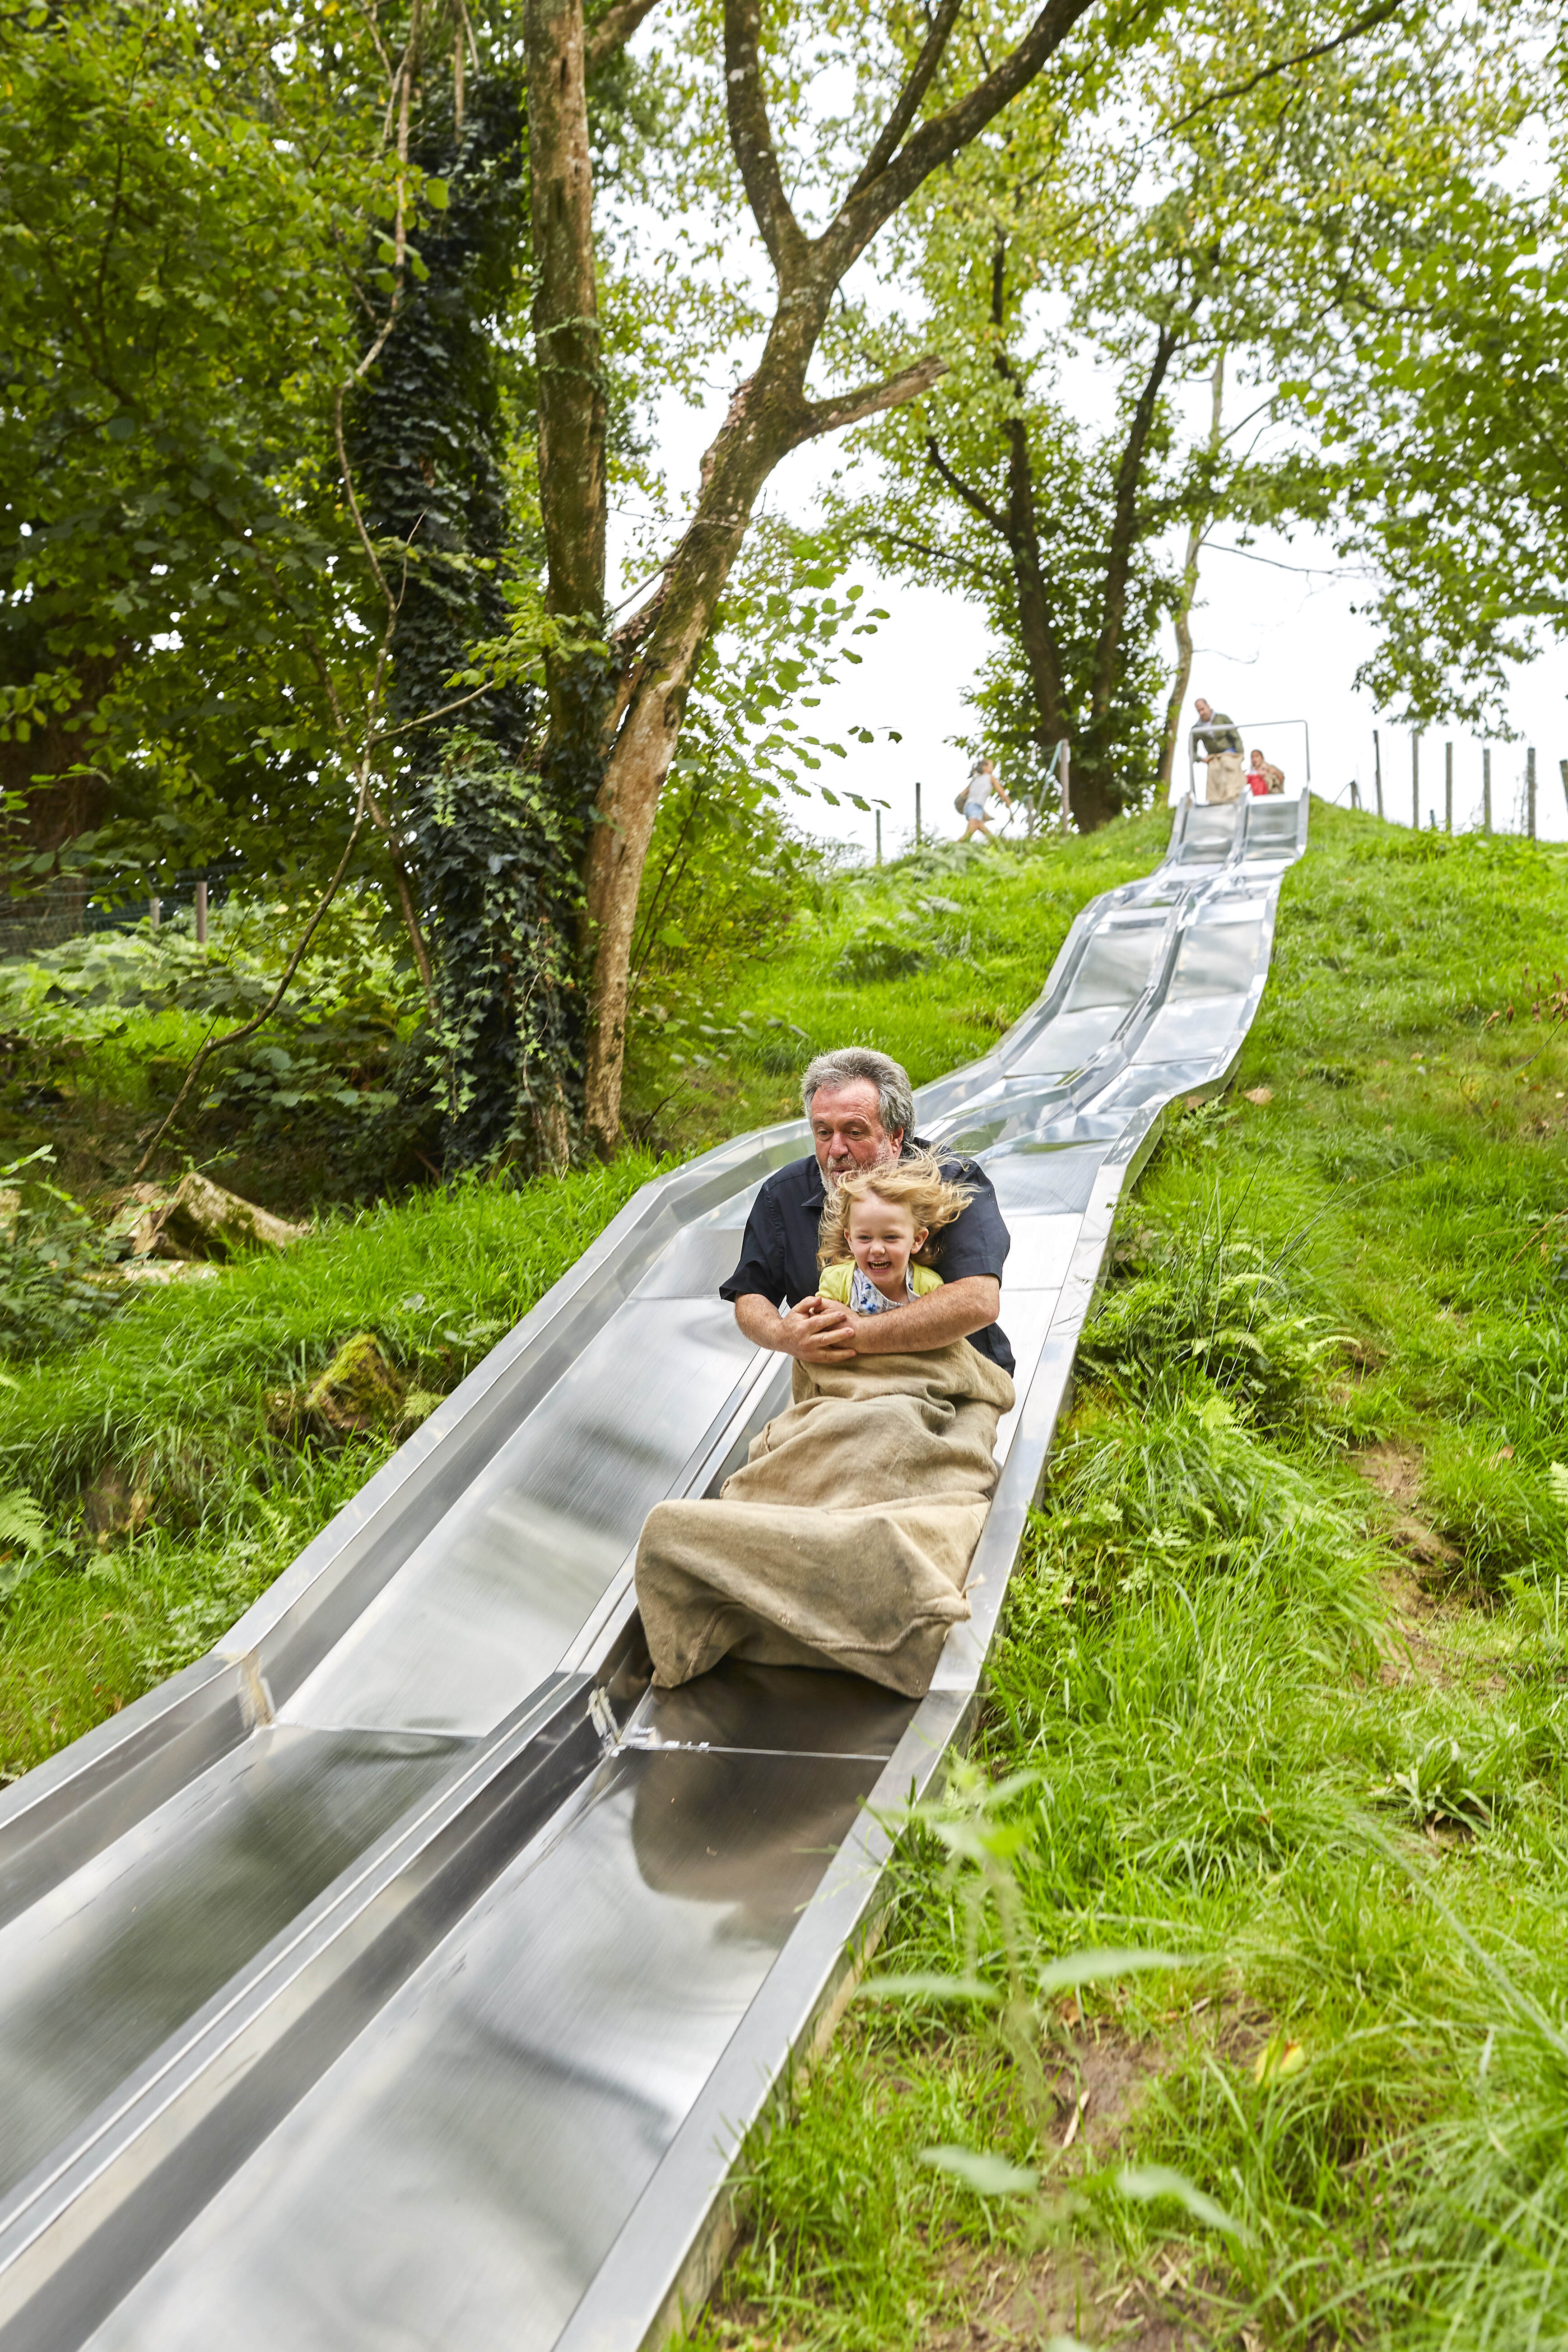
column 24, row 1538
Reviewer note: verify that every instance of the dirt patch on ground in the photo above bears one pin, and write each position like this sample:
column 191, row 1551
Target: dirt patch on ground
column 1071, row 2296
column 1395, row 1472
column 1003, row 2300
column 1099, row 2083
column 1415, row 1617
column 1176, row 2305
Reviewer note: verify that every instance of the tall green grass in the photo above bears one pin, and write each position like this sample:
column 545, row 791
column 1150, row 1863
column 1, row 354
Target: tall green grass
column 928, row 957
column 174, row 1394
column 1249, row 1710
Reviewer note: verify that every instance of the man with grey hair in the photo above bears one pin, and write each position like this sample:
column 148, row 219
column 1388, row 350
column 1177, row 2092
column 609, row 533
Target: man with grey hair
column 861, row 1109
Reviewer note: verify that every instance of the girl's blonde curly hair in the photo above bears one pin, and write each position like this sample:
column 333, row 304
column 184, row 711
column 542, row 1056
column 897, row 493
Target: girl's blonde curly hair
column 916, row 1183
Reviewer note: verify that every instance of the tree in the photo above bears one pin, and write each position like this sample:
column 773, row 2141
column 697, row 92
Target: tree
column 924, row 99
column 1446, row 404
column 1187, row 224
column 178, row 586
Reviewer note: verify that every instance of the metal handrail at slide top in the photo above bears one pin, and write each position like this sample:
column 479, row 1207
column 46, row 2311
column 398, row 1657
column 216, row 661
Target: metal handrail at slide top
column 1244, row 727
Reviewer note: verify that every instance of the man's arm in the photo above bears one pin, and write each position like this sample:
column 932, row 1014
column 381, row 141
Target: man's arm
column 951, row 1313
column 815, row 1330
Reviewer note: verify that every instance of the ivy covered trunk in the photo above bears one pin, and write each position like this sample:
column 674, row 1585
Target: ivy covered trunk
column 489, row 858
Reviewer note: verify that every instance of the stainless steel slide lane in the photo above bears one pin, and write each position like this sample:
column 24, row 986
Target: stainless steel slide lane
column 371, row 1984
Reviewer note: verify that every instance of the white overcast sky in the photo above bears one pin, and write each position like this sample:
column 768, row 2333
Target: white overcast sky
column 1277, row 636
column 1277, row 640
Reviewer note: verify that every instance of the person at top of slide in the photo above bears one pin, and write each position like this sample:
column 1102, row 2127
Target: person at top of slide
column 1262, row 775
column 861, row 1110
column 1216, row 746
column 1215, row 730
column 983, row 782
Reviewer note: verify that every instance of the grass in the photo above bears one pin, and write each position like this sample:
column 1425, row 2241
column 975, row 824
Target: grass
column 173, row 1396
column 930, row 959
column 1280, row 1693
column 1281, row 1688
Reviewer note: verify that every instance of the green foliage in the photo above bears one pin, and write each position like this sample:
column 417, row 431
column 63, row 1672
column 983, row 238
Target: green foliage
column 1250, row 234
column 175, row 595
column 726, row 879
column 1208, row 1308
column 494, row 844
column 342, row 1067
column 24, row 1536
column 495, row 859
column 52, row 1276
column 1442, row 406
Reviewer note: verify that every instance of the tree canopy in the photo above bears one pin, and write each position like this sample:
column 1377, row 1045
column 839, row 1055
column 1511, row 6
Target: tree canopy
column 335, row 338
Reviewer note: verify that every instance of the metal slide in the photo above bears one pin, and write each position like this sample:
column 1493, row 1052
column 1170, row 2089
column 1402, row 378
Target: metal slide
column 370, row 1987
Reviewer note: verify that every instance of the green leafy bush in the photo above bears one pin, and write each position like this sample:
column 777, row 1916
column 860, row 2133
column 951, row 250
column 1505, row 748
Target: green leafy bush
column 882, row 951
column 1188, row 1488
column 343, row 1062
column 53, row 1287
column 24, row 1539
column 1208, row 1309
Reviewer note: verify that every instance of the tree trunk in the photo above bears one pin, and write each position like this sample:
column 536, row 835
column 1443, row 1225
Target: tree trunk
column 1124, row 528
column 759, row 430
column 566, row 314
column 1182, row 618
column 50, row 805
column 1039, row 637
column 769, row 417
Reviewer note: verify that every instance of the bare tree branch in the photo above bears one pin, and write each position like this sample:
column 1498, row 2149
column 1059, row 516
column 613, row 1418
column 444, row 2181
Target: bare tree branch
column 383, row 825
column 850, row 407
column 1373, row 17
column 910, row 97
column 861, row 215
column 751, row 137
column 971, row 498
column 249, row 1028
column 877, row 537
column 614, row 30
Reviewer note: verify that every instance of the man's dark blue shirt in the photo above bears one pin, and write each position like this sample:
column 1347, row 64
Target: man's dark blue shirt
column 778, row 1256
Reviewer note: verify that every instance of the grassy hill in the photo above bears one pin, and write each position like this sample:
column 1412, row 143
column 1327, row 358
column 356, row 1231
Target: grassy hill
column 1281, row 1691
column 1281, row 1696
column 171, row 1493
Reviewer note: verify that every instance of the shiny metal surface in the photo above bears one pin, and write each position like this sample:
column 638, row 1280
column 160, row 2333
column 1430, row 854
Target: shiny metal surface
column 130, row 1946
column 458, row 2177
column 408, row 2016
column 486, row 1604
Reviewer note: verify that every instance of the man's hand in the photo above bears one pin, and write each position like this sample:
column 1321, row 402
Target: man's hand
column 951, row 1313
column 819, row 1332
column 814, row 1331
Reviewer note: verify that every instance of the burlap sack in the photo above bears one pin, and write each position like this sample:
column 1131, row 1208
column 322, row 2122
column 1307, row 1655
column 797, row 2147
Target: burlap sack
column 847, row 1538
column 1227, row 776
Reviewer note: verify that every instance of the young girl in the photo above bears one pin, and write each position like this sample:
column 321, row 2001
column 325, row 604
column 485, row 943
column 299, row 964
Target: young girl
column 876, row 1222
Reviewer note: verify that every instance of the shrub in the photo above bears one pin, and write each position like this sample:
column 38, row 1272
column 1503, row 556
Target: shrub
column 1212, row 1310
column 53, row 1290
